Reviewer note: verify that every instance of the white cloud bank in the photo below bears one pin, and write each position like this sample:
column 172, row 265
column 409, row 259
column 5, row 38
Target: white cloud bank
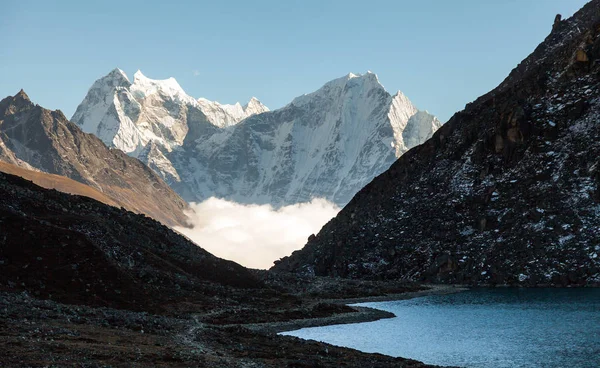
column 255, row 235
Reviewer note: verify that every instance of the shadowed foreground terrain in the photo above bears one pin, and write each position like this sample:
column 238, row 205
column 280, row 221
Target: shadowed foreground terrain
column 93, row 285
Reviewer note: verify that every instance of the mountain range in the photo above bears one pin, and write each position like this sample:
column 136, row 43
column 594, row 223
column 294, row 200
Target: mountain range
column 506, row 192
column 326, row 144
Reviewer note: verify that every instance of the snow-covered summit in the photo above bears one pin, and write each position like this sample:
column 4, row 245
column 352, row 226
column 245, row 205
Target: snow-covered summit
column 223, row 115
column 143, row 87
column 328, row 143
column 129, row 115
column 337, row 87
column 117, row 76
column 254, row 106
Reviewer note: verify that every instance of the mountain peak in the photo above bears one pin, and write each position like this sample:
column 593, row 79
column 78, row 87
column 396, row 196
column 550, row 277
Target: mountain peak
column 370, row 77
column 116, row 77
column 118, row 72
column 139, row 75
column 21, row 95
column 168, row 86
column 254, row 106
column 16, row 102
column 401, row 98
column 367, row 81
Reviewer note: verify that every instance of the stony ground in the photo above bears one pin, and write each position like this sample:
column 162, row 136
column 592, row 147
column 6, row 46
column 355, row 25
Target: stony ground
column 43, row 333
column 89, row 285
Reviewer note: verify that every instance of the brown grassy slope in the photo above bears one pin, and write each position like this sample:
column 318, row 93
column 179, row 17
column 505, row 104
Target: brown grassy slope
column 57, row 182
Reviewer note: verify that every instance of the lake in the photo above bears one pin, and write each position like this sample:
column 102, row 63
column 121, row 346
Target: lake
column 502, row 327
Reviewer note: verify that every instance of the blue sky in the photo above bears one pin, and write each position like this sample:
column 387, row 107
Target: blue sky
column 440, row 53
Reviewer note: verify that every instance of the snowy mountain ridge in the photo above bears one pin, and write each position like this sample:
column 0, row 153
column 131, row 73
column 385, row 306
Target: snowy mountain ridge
column 328, row 143
column 227, row 115
column 129, row 115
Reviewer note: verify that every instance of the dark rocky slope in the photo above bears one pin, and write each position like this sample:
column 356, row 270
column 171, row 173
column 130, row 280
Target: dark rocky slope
column 35, row 138
column 86, row 284
column 76, row 250
column 506, row 192
column 42, row 333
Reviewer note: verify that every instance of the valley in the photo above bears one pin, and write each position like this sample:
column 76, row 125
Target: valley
column 144, row 230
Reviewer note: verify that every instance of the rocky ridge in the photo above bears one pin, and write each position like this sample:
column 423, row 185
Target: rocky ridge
column 128, row 115
column 38, row 139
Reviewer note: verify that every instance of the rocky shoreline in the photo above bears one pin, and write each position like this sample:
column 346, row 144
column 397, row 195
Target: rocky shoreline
column 360, row 314
column 39, row 333
column 89, row 285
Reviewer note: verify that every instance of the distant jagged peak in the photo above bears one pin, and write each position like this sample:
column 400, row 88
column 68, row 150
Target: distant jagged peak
column 254, row 106
column 16, row 102
column 22, row 95
column 116, row 78
column 224, row 115
column 367, row 81
column 168, row 87
column 400, row 100
column 116, row 72
column 20, row 98
column 206, row 101
column 140, row 78
column 253, row 103
column 400, row 95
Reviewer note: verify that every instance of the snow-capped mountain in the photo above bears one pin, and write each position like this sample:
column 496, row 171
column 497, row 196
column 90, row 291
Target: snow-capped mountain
column 328, row 144
column 129, row 115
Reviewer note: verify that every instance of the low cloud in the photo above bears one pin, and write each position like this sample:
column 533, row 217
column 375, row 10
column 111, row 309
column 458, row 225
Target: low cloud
column 196, row 73
column 255, row 235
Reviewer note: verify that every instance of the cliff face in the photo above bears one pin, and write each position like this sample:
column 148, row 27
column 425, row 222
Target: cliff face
column 506, row 192
column 32, row 137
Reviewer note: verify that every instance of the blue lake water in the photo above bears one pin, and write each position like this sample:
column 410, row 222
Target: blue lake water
column 482, row 328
